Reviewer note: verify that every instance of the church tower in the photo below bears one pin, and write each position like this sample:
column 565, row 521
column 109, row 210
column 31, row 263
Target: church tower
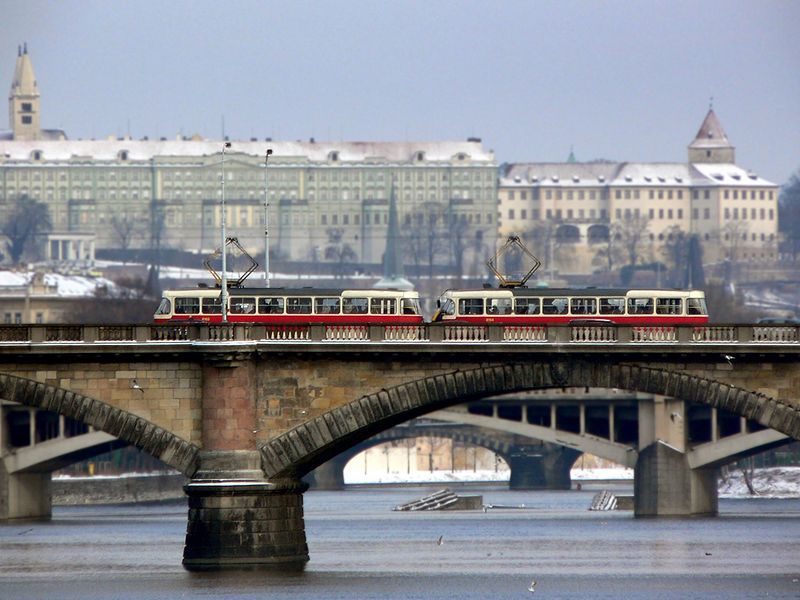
column 711, row 145
column 23, row 100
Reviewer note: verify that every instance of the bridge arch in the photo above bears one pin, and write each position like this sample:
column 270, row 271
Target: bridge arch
column 298, row 451
column 128, row 427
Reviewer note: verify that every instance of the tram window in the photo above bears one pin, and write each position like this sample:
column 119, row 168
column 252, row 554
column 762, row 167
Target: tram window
column 668, row 306
column 696, row 306
column 448, row 307
column 526, row 306
column 187, row 306
column 212, row 306
column 612, row 306
column 355, row 306
column 411, row 307
column 470, row 306
column 327, row 306
column 640, row 306
column 499, row 306
column 554, row 306
column 583, row 306
column 165, row 307
column 270, row 306
column 298, row 306
column 243, row 306
column 383, row 306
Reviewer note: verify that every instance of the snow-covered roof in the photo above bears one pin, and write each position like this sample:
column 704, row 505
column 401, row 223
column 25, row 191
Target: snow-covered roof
column 556, row 174
column 653, row 174
column 73, row 286
column 143, row 150
column 628, row 174
column 728, row 175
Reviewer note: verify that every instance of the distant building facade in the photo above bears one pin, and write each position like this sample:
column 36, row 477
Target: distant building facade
column 329, row 202
column 583, row 217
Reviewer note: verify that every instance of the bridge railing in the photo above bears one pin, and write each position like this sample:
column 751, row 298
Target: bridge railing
column 433, row 334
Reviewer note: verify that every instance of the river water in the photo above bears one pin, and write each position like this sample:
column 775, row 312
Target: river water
column 360, row 548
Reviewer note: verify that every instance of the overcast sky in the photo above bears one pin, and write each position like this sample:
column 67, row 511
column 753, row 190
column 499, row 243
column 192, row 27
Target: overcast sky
column 615, row 80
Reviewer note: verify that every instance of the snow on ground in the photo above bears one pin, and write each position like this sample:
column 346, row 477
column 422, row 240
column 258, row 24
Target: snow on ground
column 774, row 482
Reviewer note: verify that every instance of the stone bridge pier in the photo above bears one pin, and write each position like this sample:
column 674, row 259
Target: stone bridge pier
column 541, row 467
column 665, row 484
column 237, row 518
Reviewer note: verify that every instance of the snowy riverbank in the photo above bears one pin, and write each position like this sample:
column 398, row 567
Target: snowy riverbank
column 775, row 482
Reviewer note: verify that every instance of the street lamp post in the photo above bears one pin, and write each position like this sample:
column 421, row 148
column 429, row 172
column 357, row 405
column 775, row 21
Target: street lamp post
column 266, row 220
column 224, row 279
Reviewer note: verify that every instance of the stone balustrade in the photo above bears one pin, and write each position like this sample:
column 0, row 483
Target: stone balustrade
column 433, row 334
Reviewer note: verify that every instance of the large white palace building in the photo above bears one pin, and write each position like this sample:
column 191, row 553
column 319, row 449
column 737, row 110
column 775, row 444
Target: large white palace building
column 574, row 214
column 328, row 201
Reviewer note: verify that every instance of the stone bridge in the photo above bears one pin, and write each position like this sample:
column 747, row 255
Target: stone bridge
column 245, row 412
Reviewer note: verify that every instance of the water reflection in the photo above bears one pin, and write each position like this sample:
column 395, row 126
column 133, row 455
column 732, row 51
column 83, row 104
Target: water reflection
column 360, row 548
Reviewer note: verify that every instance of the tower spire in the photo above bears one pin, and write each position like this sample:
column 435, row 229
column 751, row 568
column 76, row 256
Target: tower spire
column 711, row 144
column 23, row 100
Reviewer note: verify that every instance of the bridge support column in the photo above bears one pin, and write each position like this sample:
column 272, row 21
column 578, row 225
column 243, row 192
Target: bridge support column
column 547, row 467
column 238, row 520
column 25, row 495
column 330, row 475
column 665, row 485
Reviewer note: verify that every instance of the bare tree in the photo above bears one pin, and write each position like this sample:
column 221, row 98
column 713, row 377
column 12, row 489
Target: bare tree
column 125, row 228
column 609, row 251
column 632, row 232
column 675, row 251
column 339, row 252
column 25, row 219
column 541, row 239
column 789, row 214
column 424, row 236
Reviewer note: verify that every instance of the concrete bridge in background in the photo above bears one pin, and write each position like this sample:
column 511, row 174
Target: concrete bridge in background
column 247, row 411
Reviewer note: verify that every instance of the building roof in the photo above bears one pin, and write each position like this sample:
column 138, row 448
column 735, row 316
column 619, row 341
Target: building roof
column 711, row 134
column 143, row 150
column 726, row 174
column 628, row 174
column 556, row 174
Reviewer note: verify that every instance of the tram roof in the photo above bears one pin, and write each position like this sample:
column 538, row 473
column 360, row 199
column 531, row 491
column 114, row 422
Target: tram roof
column 304, row 291
column 548, row 292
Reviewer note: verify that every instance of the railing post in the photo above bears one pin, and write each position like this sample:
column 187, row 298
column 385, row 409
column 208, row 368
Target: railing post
column 496, row 333
column 38, row 334
column 560, row 334
column 377, row 333
column 316, row 333
column 744, row 333
column 90, row 333
column 436, row 333
column 624, row 334
column 685, row 334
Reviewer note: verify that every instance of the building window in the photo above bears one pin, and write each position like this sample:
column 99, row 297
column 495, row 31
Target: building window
column 26, row 120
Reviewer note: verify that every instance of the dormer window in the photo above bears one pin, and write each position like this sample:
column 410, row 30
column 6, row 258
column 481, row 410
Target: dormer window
column 461, row 156
column 36, row 155
column 517, row 179
column 601, row 178
column 420, row 156
column 628, row 178
column 648, row 178
column 122, row 155
column 534, row 179
column 575, row 179
column 333, row 156
column 554, row 178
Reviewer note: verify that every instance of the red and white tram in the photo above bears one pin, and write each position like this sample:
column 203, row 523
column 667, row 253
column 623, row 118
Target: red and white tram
column 285, row 306
column 523, row 306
